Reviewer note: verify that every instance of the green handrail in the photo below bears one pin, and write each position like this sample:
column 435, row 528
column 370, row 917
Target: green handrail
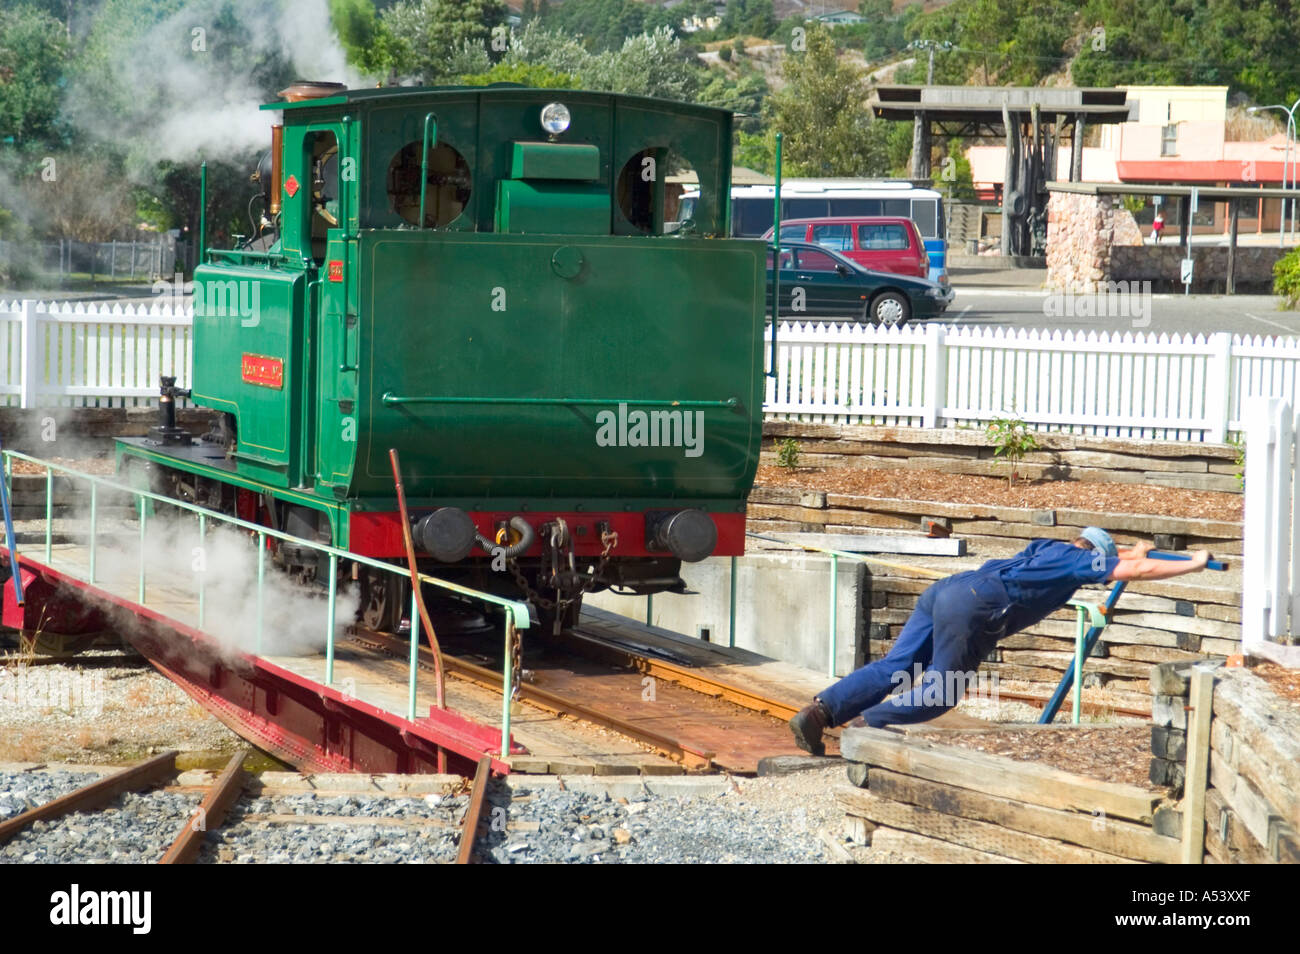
column 516, row 613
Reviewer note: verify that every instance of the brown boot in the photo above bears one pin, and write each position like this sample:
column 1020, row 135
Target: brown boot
column 808, row 725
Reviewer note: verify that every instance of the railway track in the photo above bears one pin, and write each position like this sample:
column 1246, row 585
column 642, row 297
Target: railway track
column 701, row 722
column 98, row 798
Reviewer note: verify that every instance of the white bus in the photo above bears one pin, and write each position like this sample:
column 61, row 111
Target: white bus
column 752, row 206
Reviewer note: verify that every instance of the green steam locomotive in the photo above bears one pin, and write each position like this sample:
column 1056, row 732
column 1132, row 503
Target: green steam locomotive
column 496, row 282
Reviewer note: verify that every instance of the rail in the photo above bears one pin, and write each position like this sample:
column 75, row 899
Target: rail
column 516, row 613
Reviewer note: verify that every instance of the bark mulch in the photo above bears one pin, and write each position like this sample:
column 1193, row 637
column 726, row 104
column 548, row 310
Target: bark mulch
column 1284, row 682
column 1120, row 754
column 1039, row 495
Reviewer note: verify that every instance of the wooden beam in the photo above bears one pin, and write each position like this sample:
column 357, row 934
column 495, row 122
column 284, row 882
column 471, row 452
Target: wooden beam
column 981, row 836
column 1115, row 837
column 996, row 775
column 875, row 543
column 1198, row 762
column 933, row 851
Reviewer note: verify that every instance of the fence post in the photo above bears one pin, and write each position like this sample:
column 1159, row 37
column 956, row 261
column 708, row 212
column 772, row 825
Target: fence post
column 1218, row 381
column 32, row 363
column 936, row 375
column 1261, row 447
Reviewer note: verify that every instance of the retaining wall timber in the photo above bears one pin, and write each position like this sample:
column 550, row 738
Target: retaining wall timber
column 1194, row 465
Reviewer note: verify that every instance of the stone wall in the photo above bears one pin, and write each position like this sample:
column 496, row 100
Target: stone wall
column 1161, row 265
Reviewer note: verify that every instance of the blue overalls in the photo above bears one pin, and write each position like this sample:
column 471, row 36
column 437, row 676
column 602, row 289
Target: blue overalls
column 956, row 623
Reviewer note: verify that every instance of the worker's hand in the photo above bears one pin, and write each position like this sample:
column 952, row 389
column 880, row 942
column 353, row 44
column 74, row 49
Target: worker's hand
column 1200, row 558
column 1141, row 548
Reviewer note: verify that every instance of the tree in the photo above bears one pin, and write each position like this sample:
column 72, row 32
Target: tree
column 33, row 54
column 425, row 34
column 823, row 115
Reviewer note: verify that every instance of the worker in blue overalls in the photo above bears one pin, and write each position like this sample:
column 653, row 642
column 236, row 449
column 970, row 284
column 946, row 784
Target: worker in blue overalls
column 957, row 622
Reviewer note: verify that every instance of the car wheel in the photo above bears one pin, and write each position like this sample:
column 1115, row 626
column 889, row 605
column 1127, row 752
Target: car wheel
column 890, row 310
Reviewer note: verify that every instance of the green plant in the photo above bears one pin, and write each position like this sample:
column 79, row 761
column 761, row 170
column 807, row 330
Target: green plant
column 1286, row 278
column 787, row 454
column 1238, row 443
column 1012, row 440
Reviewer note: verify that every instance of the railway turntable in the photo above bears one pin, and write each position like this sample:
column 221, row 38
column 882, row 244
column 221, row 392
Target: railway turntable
column 293, row 671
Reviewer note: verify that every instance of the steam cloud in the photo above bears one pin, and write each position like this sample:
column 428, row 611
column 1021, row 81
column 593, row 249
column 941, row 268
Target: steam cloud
column 187, row 103
column 294, row 617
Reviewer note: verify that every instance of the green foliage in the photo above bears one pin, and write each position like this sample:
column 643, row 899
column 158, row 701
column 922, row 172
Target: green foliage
column 724, row 54
column 1286, row 278
column 33, row 56
column 1012, row 440
column 367, row 40
column 1238, row 443
column 823, row 115
column 787, row 454
column 424, row 36
column 748, row 18
column 652, row 64
column 743, row 95
column 1134, row 203
column 604, row 25
column 526, row 74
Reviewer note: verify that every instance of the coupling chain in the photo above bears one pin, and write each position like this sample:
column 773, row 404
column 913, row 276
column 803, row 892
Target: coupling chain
column 607, row 537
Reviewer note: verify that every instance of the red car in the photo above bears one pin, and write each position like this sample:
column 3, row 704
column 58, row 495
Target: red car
column 882, row 243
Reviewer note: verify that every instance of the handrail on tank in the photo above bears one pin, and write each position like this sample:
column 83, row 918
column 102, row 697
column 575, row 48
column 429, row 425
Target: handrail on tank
column 516, row 613
column 430, row 128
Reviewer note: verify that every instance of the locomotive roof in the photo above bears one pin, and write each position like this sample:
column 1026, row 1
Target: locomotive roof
column 398, row 93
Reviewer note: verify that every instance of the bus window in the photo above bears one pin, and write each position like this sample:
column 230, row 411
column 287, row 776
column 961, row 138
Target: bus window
column 804, row 209
column 924, row 213
column 750, row 217
column 855, row 207
column 899, row 207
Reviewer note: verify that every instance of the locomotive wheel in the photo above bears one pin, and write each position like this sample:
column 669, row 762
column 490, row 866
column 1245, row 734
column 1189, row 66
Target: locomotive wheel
column 383, row 598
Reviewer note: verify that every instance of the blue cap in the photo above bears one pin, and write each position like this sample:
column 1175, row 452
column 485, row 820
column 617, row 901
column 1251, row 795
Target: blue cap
column 1100, row 540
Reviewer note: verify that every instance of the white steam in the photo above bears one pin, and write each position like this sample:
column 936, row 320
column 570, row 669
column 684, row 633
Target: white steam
column 194, row 77
column 294, row 615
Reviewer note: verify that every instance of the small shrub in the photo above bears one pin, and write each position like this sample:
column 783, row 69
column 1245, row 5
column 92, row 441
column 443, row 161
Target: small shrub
column 787, row 454
column 1012, row 440
column 1238, row 443
column 1286, row 278
column 724, row 54
column 738, row 48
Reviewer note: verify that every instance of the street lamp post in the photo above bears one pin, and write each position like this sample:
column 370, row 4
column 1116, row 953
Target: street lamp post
column 1288, row 163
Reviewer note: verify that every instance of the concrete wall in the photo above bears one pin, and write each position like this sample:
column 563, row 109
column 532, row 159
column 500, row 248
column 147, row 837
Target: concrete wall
column 782, row 607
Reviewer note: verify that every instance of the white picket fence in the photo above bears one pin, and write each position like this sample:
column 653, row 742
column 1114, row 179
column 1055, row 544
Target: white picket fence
column 1172, row 387
column 1270, row 585
column 90, row 355
column 1121, row 385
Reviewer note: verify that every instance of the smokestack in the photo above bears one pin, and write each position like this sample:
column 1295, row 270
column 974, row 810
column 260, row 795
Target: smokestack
column 309, row 89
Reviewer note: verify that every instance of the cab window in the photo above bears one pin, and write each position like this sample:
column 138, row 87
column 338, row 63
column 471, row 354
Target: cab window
column 322, row 192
